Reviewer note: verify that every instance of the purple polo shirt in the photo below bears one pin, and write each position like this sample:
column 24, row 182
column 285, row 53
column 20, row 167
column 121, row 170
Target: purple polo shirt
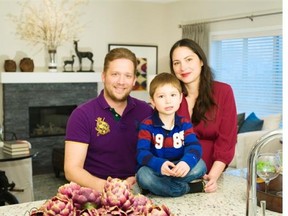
column 112, row 143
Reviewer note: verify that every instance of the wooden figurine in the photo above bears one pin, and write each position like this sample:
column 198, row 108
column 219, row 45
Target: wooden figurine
column 82, row 55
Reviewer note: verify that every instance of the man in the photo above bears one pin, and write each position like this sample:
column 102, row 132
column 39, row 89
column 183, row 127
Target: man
column 101, row 134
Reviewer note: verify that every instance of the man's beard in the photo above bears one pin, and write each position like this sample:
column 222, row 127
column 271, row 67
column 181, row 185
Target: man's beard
column 114, row 98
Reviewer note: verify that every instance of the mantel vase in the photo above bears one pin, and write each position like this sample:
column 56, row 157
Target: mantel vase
column 52, row 65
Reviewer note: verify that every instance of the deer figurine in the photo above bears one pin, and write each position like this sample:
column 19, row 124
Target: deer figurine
column 82, row 55
column 69, row 62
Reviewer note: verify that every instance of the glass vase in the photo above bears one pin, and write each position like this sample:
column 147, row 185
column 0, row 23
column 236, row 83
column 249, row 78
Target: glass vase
column 52, row 64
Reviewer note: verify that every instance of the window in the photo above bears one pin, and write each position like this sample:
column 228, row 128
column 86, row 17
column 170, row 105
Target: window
column 253, row 67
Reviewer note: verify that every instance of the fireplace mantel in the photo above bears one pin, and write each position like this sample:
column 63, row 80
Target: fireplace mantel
column 49, row 77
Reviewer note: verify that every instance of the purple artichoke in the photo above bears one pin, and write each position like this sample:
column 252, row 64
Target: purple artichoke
column 141, row 205
column 115, row 200
column 117, row 193
column 82, row 197
column 36, row 212
column 89, row 212
column 159, row 211
column 86, row 198
column 112, row 211
column 67, row 190
column 58, row 206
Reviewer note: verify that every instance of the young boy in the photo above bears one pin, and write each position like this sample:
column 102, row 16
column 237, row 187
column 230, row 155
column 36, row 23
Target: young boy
column 168, row 152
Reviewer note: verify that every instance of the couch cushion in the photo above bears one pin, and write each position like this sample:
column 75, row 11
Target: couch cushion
column 240, row 120
column 272, row 122
column 251, row 123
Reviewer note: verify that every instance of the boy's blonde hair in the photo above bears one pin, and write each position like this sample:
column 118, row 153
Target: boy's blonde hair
column 163, row 79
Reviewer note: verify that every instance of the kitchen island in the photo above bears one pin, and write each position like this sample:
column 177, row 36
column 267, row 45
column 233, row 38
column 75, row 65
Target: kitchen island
column 230, row 199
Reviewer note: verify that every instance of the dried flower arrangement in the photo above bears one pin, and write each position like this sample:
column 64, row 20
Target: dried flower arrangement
column 50, row 22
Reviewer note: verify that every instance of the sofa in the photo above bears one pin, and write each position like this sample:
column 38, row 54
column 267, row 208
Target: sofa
column 246, row 141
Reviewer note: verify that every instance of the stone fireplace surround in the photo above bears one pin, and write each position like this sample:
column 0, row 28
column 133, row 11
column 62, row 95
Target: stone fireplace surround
column 39, row 91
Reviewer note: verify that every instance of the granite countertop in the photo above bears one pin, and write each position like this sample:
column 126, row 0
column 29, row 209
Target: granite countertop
column 230, row 199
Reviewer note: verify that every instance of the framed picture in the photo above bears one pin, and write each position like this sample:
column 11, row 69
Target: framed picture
column 147, row 56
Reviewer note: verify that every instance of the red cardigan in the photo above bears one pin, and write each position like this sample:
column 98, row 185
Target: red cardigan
column 219, row 136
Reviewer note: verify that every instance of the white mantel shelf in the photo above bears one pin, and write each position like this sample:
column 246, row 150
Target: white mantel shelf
column 49, row 77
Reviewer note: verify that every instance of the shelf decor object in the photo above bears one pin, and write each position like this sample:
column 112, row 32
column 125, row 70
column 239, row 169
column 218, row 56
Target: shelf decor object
column 10, row 65
column 26, row 65
column 147, row 56
column 52, row 65
column 82, row 55
column 50, row 23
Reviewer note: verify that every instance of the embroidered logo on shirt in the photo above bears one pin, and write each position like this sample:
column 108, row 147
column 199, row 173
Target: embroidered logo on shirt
column 102, row 127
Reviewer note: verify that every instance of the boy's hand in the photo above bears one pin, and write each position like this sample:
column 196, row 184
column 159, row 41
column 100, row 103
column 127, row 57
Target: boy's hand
column 181, row 169
column 167, row 168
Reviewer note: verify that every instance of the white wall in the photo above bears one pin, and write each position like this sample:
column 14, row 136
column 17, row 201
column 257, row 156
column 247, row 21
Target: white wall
column 131, row 22
column 193, row 11
column 106, row 22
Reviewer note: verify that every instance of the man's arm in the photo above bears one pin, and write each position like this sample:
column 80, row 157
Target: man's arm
column 75, row 155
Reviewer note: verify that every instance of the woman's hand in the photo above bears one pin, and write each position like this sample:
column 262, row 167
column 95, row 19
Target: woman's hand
column 211, row 183
column 212, row 177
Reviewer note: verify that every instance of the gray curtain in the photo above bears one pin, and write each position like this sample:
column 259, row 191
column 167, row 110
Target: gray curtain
column 199, row 33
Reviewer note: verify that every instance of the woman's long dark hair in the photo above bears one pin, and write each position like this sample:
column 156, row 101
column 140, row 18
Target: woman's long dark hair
column 204, row 102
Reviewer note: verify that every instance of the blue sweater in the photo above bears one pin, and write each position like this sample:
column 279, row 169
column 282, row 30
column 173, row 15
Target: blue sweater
column 157, row 145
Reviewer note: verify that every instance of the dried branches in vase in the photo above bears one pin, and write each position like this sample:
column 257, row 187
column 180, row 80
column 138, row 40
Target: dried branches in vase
column 48, row 22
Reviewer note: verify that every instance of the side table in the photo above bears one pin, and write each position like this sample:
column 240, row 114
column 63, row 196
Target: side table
column 18, row 169
column 6, row 157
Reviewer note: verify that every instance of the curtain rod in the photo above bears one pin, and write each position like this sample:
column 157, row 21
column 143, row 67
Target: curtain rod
column 237, row 18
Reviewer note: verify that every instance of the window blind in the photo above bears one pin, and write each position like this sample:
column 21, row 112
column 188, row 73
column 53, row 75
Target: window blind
column 253, row 67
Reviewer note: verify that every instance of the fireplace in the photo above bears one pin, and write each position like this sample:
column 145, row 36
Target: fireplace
column 23, row 103
column 49, row 120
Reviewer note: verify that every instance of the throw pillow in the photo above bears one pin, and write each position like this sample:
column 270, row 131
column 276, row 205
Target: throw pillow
column 251, row 123
column 240, row 120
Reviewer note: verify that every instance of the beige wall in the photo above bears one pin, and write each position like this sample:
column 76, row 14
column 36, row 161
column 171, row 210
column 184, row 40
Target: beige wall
column 192, row 11
column 131, row 22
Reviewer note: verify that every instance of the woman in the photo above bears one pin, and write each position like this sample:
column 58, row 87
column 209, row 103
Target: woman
column 209, row 104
